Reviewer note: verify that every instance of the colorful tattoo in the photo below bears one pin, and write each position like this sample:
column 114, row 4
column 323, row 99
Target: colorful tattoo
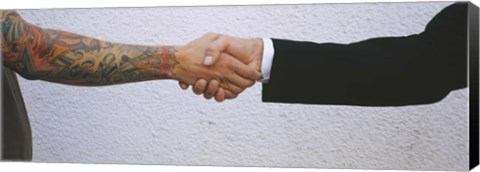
column 63, row 57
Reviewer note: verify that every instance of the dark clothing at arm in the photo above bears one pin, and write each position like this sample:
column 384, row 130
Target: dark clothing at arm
column 388, row 71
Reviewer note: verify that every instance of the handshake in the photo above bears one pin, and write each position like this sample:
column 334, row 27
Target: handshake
column 218, row 66
column 386, row 71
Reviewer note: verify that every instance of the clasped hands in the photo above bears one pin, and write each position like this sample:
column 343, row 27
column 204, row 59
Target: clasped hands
column 219, row 66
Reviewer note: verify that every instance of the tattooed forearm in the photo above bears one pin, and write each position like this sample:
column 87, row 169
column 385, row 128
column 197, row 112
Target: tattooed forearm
column 57, row 56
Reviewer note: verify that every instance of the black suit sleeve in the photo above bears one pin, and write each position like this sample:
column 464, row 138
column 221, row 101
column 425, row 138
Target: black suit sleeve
column 389, row 71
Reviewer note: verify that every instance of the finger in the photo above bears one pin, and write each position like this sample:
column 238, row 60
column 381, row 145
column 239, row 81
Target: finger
column 230, row 95
column 211, row 35
column 183, row 85
column 220, row 96
column 237, row 78
column 248, row 72
column 212, row 88
column 242, row 69
column 207, row 96
column 205, row 39
column 240, row 81
column 215, row 49
column 235, row 46
column 199, row 86
column 231, row 87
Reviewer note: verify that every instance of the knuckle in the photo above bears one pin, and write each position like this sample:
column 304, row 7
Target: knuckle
column 250, row 83
column 241, row 91
column 209, row 34
column 197, row 89
column 232, row 96
column 227, row 38
column 211, row 91
column 230, row 63
column 254, row 75
column 237, row 90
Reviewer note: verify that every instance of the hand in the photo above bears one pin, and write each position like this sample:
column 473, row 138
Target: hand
column 248, row 51
column 229, row 73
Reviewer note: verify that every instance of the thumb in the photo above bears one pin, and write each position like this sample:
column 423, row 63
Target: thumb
column 209, row 60
column 215, row 49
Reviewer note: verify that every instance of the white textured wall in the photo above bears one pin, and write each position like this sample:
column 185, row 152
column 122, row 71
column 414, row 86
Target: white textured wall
column 157, row 123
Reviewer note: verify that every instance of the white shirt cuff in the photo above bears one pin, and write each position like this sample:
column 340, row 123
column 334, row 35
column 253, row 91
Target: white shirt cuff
column 267, row 59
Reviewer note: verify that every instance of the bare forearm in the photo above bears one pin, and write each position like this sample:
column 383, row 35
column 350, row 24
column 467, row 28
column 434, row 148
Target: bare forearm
column 69, row 58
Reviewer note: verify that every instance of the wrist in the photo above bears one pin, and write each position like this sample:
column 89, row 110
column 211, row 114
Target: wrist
column 258, row 53
column 180, row 56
